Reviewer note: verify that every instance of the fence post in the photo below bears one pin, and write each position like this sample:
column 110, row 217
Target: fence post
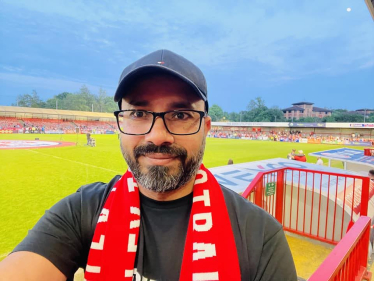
column 279, row 196
column 258, row 193
column 365, row 196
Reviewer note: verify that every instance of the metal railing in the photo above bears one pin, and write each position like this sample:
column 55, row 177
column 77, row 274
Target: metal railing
column 348, row 260
column 317, row 204
column 322, row 206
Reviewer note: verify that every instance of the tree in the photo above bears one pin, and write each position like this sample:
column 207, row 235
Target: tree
column 276, row 115
column 370, row 119
column 257, row 104
column 216, row 113
column 32, row 100
column 110, row 105
column 257, row 111
column 234, row 117
column 100, row 99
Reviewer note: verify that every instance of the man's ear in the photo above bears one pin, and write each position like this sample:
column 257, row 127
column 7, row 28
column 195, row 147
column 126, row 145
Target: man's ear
column 207, row 124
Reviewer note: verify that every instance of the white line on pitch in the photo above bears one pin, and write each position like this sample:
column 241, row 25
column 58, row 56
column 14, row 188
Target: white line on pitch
column 81, row 163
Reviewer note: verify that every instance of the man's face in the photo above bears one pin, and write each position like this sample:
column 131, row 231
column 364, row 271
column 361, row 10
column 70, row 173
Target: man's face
column 161, row 161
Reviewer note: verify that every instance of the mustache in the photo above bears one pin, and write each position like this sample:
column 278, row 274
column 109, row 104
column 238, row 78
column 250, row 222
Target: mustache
column 143, row 150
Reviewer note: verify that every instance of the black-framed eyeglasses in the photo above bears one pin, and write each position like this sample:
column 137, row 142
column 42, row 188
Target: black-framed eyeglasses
column 177, row 122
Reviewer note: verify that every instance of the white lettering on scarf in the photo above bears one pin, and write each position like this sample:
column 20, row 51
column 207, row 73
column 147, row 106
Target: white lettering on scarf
column 135, row 223
column 98, row 245
column 93, row 269
column 103, row 215
column 204, row 250
column 205, row 276
column 129, row 272
column 204, row 177
column 207, row 222
column 131, row 245
column 205, row 197
column 131, row 184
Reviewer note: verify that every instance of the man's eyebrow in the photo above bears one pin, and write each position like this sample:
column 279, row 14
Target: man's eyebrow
column 180, row 104
column 138, row 102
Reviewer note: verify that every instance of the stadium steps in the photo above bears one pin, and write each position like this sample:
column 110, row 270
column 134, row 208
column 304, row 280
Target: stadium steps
column 110, row 125
column 308, row 254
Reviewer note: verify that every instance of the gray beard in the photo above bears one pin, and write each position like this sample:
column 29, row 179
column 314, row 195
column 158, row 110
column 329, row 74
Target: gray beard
column 159, row 178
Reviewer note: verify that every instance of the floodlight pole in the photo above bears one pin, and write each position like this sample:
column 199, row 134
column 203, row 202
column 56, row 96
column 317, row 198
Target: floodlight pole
column 365, row 116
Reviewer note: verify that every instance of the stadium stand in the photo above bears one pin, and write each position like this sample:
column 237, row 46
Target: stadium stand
column 9, row 122
column 94, row 126
column 291, row 136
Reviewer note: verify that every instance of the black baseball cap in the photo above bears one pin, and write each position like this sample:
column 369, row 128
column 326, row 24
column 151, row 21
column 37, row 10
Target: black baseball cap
column 167, row 61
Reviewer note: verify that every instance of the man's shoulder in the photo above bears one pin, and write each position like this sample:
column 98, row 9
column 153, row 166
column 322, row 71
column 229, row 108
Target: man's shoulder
column 99, row 190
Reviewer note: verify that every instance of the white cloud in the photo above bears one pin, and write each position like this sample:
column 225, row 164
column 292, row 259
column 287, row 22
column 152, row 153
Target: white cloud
column 59, row 85
column 282, row 36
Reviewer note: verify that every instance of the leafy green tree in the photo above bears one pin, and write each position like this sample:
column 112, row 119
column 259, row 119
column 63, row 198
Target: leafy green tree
column 216, row 113
column 234, row 117
column 28, row 100
column 370, row 118
column 276, row 115
column 329, row 119
column 256, row 111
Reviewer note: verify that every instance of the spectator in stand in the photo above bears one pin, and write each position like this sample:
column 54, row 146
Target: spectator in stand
column 300, row 156
column 319, row 161
column 292, row 154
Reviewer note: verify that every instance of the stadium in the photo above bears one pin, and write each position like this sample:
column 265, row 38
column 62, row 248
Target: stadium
column 57, row 141
column 311, row 171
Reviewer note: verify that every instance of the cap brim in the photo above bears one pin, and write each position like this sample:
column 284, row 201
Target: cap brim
column 120, row 92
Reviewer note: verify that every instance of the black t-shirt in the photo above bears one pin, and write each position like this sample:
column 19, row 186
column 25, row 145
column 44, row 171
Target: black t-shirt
column 64, row 234
column 161, row 238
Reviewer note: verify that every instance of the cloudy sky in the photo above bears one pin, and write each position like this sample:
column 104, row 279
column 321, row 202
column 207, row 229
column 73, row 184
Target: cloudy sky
column 282, row 51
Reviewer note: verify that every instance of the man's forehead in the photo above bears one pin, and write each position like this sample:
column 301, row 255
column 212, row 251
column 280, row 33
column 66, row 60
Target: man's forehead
column 165, row 87
column 150, row 99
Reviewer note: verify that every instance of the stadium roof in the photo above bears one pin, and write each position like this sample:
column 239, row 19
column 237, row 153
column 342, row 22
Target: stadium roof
column 60, row 113
column 303, row 102
column 365, row 109
column 370, row 4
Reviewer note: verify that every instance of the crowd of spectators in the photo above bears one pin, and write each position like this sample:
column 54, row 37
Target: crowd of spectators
column 9, row 123
column 95, row 126
column 40, row 126
column 289, row 136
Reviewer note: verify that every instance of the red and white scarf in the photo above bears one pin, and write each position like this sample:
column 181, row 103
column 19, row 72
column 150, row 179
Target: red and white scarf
column 209, row 252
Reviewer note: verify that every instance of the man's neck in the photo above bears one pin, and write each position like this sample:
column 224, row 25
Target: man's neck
column 169, row 195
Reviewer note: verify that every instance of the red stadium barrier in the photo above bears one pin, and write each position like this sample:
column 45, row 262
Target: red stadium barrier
column 316, row 204
column 348, row 260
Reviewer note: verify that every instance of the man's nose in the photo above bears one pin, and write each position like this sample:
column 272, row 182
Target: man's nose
column 159, row 135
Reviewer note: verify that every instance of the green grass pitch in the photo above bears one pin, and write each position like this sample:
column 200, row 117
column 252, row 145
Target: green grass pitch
column 32, row 180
